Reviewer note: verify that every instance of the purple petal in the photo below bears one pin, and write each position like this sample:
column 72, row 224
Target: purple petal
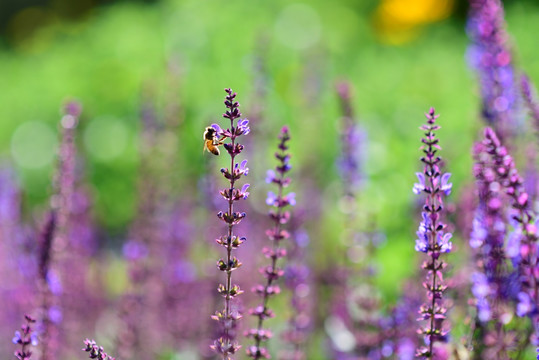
column 217, row 128
column 270, row 200
column 270, row 176
column 291, row 197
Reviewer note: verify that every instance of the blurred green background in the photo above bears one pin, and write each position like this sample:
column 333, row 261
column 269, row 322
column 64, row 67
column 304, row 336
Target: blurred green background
column 401, row 57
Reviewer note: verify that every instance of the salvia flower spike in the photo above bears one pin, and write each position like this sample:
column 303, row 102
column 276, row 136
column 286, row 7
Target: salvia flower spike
column 95, row 351
column 530, row 99
column 272, row 273
column 432, row 238
column 490, row 55
column 522, row 246
column 492, row 271
column 226, row 344
column 25, row 338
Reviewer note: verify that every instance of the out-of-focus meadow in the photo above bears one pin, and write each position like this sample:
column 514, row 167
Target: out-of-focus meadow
column 283, row 59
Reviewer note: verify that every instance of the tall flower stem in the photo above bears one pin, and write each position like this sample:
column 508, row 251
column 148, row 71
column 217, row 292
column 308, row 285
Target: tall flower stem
column 272, row 273
column 226, row 344
column 524, row 239
column 490, row 55
column 55, row 234
column 492, row 271
column 25, row 338
column 431, row 238
column 530, row 99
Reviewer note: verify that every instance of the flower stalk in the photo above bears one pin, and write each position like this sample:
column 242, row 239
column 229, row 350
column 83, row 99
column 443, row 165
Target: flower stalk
column 25, row 338
column 228, row 317
column 432, row 239
column 272, row 273
column 523, row 242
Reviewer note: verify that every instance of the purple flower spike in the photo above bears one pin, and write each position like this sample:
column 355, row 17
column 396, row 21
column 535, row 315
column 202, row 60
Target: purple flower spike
column 490, row 56
column 494, row 283
column 95, row 351
column 353, row 139
column 531, row 100
column 272, row 273
column 431, row 239
column 524, row 240
column 226, row 344
column 25, row 338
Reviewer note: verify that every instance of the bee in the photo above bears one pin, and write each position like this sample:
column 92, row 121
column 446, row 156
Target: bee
column 211, row 141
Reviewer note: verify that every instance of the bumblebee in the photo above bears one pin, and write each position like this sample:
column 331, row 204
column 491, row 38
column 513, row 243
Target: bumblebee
column 211, row 141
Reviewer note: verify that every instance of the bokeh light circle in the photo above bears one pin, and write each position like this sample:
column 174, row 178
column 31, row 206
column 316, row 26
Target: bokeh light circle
column 106, row 138
column 33, row 145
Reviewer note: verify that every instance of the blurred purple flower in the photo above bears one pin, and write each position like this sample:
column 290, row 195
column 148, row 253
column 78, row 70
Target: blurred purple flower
column 272, row 273
column 353, row 143
column 134, row 250
column 489, row 54
column 530, row 98
column 523, row 218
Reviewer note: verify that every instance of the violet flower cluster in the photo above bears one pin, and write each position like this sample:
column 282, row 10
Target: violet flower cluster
column 276, row 234
column 432, row 239
column 55, row 233
column 228, row 317
column 530, row 99
column 95, row 351
column 490, row 56
column 25, row 338
column 522, row 245
column 352, row 142
column 492, row 279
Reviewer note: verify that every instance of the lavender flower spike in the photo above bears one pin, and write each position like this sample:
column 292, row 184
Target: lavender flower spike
column 95, row 351
column 526, row 228
column 490, row 55
column 25, row 338
column 227, row 318
column 530, row 99
column 431, row 238
column 272, row 273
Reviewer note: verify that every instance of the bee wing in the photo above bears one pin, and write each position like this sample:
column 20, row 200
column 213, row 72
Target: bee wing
column 205, row 147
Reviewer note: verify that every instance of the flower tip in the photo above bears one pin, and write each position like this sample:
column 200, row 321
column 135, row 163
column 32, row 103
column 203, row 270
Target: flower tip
column 73, row 108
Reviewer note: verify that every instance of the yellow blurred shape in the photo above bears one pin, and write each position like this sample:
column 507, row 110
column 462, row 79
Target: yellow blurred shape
column 399, row 21
column 115, row 277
